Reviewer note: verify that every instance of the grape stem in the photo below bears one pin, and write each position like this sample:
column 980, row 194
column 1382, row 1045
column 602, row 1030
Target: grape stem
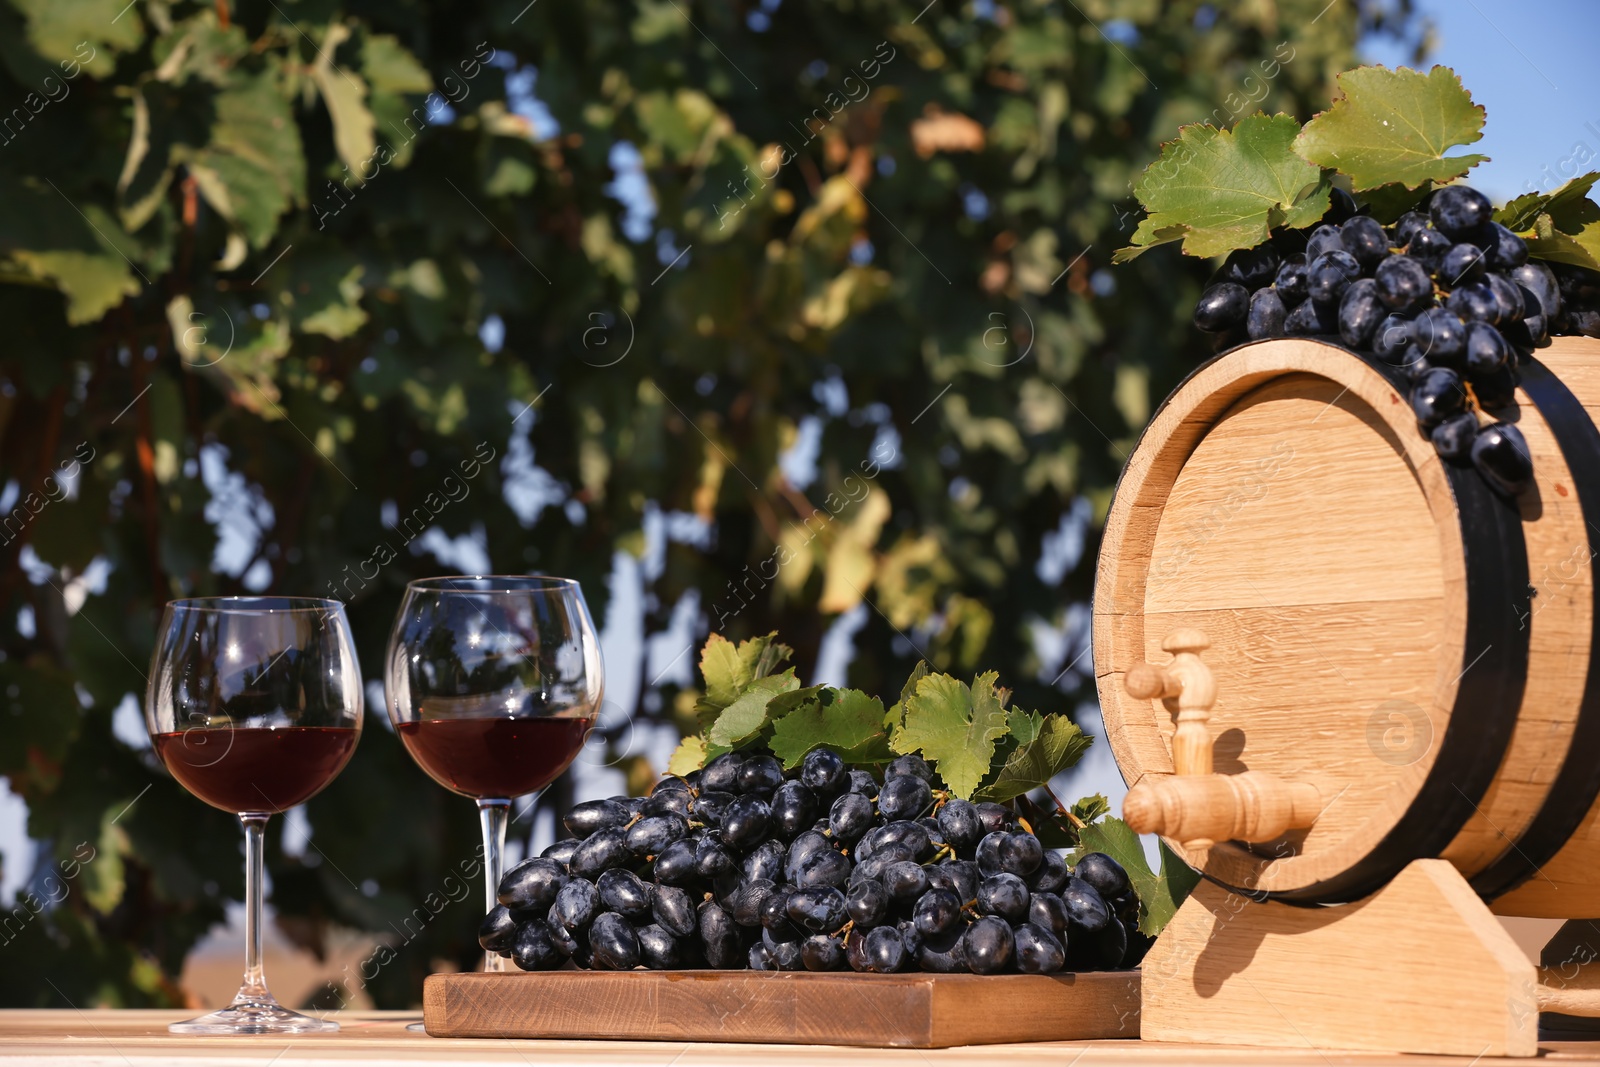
column 1077, row 823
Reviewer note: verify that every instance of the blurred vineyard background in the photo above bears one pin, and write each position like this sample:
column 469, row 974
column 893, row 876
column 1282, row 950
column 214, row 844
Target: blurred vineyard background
column 751, row 316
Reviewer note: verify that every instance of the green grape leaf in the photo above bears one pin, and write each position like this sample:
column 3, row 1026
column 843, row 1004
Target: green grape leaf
column 1091, row 808
column 1521, row 214
column 724, row 675
column 1058, row 744
column 1395, row 126
column 1218, row 190
column 747, row 716
column 953, row 726
column 1578, row 245
column 1024, row 725
column 1159, row 893
column 846, row 720
column 897, row 712
column 690, row 755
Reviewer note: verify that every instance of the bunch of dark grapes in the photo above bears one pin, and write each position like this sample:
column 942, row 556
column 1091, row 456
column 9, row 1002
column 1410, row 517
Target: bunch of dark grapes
column 1448, row 296
column 739, row 866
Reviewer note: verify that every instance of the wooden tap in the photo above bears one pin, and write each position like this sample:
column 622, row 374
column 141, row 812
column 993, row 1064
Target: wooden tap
column 1196, row 806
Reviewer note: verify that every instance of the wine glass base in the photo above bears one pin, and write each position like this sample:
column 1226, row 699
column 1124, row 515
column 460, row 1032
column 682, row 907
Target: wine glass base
column 417, row 1028
column 254, row 1015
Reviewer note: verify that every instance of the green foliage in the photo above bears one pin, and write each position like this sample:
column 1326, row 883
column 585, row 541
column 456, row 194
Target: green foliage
column 265, row 243
column 954, row 726
column 1394, row 127
column 1217, row 190
column 1564, row 223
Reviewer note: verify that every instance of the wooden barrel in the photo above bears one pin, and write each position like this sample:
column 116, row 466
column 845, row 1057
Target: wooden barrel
column 1382, row 623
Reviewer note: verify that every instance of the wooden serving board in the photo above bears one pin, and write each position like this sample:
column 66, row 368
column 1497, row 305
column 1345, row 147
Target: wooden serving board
column 786, row 1007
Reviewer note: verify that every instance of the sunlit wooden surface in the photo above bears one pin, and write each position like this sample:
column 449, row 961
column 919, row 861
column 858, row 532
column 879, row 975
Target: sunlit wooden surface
column 140, row 1039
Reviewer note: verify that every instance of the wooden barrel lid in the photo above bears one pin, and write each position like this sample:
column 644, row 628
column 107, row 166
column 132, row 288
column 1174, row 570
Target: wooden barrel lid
column 1283, row 502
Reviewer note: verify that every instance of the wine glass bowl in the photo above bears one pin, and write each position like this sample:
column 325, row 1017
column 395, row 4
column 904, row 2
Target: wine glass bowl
column 254, row 705
column 492, row 683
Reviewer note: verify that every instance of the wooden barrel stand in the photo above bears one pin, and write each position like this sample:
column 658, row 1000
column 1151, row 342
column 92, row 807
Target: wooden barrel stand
column 1337, row 671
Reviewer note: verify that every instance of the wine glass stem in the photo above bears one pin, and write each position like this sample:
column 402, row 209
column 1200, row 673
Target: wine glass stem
column 492, row 814
column 255, row 828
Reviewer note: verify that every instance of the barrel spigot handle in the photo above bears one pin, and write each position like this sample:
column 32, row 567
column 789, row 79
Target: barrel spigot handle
column 1190, row 682
column 1196, row 806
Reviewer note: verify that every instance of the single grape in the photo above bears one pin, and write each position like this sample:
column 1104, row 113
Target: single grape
column 562, row 851
column 673, row 911
column 1453, row 437
column 824, row 867
column 1021, row 853
column 867, row 904
column 1004, row 895
column 989, row 945
column 1104, row 873
column 1323, row 239
column 850, row 817
column 761, row 958
column 1312, row 318
column 1391, row 341
column 905, row 880
column 601, row 851
column 576, row 904
column 766, row 861
column 533, row 949
column 1106, row 948
column 942, row 953
column 1341, row 205
column 1292, row 283
column 532, row 884
column 1407, row 225
column 794, row 808
column 1503, row 249
column 613, row 942
column 624, row 892
column 670, row 784
column 936, row 911
column 1048, row 911
column 672, row 802
column 567, row 942
column 651, row 835
column 1038, row 951
column 775, row 915
column 712, row 859
column 911, row 764
column 863, row 782
column 1507, row 297
column 961, row 877
column 785, row 954
column 913, row 835
column 1360, row 312
column 1331, row 274
column 994, row 817
column 749, row 901
column 1440, row 335
column 1363, row 237
column 760, row 774
column 1538, row 279
column 1222, row 307
column 722, row 773
column 1500, row 453
column 1464, row 263
column 1428, row 246
column 1436, row 396
column 497, row 930
column 822, row 952
column 676, row 864
column 1086, row 908
column 958, row 821
column 885, row 950
column 710, row 806
column 824, row 772
column 987, row 853
column 1459, row 210
column 658, row 948
column 1475, row 302
column 1050, row 875
column 593, row 815
column 746, row 822
column 818, row 908
column 1249, row 267
column 904, row 797
column 806, row 845
column 1487, row 351
column 720, row 938
column 1267, row 315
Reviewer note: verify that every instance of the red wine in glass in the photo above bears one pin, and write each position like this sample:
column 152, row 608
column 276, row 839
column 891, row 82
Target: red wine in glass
column 493, row 682
column 499, row 757
column 254, row 705
column 248, row 769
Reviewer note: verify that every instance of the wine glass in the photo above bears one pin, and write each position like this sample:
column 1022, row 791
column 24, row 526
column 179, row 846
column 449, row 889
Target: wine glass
column 492, row 684
column 254, row 706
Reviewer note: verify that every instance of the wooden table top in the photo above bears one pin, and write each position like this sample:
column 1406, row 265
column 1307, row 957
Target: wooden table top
column 58, row 1038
